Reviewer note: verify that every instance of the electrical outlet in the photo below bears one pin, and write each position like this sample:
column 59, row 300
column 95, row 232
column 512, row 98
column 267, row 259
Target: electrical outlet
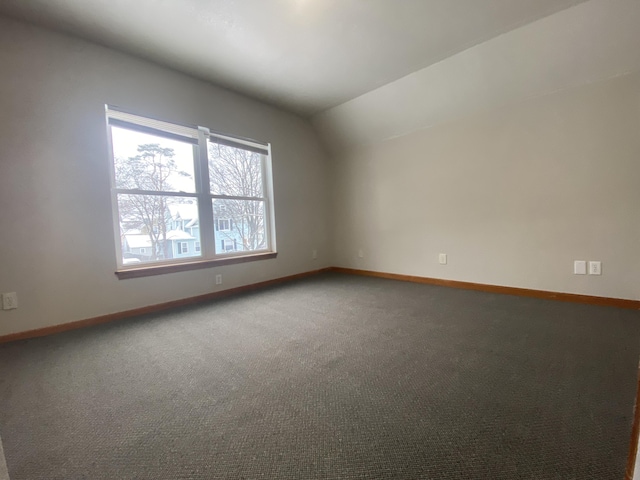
column 580, row 267
column 9, row 301
column 314, row 254
column 360, row 253
column 595, row 268
column 219, row 279
column 442, row 258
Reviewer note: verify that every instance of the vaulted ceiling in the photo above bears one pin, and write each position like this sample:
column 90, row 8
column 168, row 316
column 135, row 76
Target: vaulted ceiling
column 302, row 55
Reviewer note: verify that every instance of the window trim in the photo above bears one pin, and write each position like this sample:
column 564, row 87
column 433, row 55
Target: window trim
column 207, row 257
column 155, row 269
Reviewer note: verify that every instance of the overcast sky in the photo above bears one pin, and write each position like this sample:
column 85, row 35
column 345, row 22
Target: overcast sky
column 125, row 145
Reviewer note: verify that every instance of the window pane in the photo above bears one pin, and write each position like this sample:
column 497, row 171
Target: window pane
column 234, row 171
column 157, row 228
column 246, row 222
column 148, row 162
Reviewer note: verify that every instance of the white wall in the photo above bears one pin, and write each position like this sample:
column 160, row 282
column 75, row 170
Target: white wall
column 57, row 247
column 512, row 195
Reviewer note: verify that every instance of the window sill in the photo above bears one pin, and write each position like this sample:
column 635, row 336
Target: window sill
column 183, row 267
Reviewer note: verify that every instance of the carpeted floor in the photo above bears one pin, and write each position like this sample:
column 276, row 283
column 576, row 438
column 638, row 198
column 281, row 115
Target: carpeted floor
column 332, row 377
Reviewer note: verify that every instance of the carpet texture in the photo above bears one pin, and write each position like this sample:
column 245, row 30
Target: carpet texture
column 331, row 377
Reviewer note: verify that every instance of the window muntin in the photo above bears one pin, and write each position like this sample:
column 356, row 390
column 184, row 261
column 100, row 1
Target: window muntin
column 160, row 193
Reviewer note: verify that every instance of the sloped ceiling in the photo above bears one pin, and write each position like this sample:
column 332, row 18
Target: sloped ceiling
column 589, row 42
column 303, row 55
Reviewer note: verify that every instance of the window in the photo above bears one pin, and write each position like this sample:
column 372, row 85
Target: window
column 175, row 184
column 224, row 224
column 228, row 245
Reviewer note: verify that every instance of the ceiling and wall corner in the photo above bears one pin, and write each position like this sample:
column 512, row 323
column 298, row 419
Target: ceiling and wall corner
column 302, row 55
column 593, row 41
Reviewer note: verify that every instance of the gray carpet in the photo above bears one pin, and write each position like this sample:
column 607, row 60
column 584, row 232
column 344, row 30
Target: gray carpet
column 331, row 377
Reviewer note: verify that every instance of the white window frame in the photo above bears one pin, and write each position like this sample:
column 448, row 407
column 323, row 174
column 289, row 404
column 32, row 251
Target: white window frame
column 197, row 247
column 198, row 136
column 182, row 250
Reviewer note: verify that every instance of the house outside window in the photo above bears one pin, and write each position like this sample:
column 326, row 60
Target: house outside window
column 176, row 188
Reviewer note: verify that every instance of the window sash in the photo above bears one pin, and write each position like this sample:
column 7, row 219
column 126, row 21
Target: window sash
column 113, row 122
column 242, row 145
column 119, row 117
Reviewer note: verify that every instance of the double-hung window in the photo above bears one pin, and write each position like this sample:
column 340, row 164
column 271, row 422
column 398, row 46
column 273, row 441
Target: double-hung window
column 185, row 194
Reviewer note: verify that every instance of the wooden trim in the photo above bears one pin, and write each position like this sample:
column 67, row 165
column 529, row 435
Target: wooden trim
column 112, row 317
column 635, row 435
column 523, row 292
column 183, row 267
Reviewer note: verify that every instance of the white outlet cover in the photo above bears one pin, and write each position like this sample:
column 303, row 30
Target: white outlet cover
column 595, row 268
column 442, row 258
column 9, row 301
column 580, row 267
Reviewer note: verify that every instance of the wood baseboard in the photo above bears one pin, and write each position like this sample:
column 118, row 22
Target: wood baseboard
column 112, row 317
column 523, row 292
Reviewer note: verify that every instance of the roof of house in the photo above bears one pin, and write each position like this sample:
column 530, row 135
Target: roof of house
column 184, row 211
column 138, row 240
column 179, row 235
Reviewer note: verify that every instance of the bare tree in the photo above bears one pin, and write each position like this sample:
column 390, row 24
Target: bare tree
column 149, row 170
column 238, row 172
